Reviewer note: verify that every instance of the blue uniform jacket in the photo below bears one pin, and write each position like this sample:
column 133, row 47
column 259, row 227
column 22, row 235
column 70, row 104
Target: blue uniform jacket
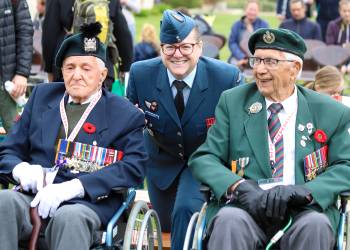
column 118, row 125
column 169, row 140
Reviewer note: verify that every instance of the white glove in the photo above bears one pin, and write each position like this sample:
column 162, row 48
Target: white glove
column 31, row 177
column 51, row 196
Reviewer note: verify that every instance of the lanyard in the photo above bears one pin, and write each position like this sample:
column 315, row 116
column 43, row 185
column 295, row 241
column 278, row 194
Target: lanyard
column 277, row 137
column 81, row 120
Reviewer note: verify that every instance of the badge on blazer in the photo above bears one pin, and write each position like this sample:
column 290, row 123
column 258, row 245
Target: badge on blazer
column 315, row 163
column 255, row 108
column 152, row 106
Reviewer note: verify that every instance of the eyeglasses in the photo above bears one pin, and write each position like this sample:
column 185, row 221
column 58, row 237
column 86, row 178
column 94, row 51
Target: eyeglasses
column 185, row 49
column 269, row 62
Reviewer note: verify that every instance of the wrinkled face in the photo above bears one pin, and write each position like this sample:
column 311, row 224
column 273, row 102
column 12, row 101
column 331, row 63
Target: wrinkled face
column 181, row 65
column 252, row 12
column 297, row 10
column 275, row 82
column 344, row 11
column 83, row 76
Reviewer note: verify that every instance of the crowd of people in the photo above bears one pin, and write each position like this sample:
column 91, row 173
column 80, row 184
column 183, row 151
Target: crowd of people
column 271, row 151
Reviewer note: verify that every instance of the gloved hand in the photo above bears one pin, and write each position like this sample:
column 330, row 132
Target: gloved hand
column 30, row 177
column 276, row 200
column 247, row 196
column 51, row 196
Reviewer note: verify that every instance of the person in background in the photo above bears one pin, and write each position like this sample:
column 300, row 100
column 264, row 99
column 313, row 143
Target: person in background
column 327, row 10
column 40, row 15
column 283, row 9
column 242, row 29
column 178, row 93
column 277, row 157
column 329, row 81
column 128, row 8
column 16, row 50
column 299, row 23
column 338, row 30
column 149, row 46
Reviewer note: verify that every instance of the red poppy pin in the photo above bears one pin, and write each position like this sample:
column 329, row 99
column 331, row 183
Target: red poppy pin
column 320, row 136
column 89, row 128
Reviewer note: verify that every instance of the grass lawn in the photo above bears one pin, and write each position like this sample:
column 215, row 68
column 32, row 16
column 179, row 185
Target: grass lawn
column 222, row 25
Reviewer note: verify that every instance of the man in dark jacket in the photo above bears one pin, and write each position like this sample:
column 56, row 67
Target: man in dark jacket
column 57, row 24
column 16, row 48
column 299, row 23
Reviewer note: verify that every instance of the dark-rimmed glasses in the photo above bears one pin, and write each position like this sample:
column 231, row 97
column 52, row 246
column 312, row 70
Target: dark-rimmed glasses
column 185, row 49
column 269, row 62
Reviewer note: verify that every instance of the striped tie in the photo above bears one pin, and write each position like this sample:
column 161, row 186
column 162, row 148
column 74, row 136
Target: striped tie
column 274, row 126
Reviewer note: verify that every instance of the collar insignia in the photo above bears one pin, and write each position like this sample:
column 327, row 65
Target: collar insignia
column 90, row 44
column 268, row 37
column 255, row 108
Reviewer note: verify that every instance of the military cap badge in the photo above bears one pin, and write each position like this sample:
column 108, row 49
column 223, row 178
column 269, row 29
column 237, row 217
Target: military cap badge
column 268, row 37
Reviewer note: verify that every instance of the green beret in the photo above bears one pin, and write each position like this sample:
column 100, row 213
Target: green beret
column 85, row 43
column 175, row 27
column 278, row 39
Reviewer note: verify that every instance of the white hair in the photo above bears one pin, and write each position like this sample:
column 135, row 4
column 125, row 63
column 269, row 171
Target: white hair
column 100, row 63
column 293, row 57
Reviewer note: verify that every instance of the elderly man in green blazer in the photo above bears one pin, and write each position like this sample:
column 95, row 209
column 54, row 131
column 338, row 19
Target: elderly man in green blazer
column 276, row 152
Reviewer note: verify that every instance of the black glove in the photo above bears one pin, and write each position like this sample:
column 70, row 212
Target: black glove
column 246, row 196
column 277, row 200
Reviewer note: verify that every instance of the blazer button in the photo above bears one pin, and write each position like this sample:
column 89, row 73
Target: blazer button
column 180, row 145
column 179, row 133
column 181, row 155
column 150, row 125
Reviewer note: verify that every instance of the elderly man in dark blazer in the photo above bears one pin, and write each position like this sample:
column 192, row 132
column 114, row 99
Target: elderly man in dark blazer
column 178, row 93
column 278, row 152
column 95, row 127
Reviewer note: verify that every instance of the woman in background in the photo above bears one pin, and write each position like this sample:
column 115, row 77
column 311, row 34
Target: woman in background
column 149, row 46
column 329, row 81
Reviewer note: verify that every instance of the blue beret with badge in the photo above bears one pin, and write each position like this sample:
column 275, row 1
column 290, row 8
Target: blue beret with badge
column 175, row 27
column 278, row 39
column 85, row 43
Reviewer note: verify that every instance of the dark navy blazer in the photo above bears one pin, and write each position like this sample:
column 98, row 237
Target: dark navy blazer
column 118, row 125
column 169, row 140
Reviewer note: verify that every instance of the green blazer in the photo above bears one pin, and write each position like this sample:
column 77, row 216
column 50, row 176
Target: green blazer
column 238, row 133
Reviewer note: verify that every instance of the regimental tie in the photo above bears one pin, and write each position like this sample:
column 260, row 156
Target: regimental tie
column 274, row 125
column 179, row 98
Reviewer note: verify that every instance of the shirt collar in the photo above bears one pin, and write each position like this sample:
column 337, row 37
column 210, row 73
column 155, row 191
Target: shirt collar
column 290, row 104
column 188, row 79
column 70, row 99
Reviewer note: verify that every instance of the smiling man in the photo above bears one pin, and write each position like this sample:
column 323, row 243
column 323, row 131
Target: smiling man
column 178, row 93
column 278, row 152
column 79, row 128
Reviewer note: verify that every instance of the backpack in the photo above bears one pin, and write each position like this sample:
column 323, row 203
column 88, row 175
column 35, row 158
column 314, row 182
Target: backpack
column 89, row 11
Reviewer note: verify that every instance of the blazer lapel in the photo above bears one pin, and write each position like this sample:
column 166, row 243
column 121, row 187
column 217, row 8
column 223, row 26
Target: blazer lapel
column 51, row 118
column 197, row 94
column 302, row 147
column 166, row 96
column 256, row 131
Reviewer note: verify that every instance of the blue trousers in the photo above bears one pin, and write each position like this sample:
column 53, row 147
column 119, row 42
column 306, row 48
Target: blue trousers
column 176, row 204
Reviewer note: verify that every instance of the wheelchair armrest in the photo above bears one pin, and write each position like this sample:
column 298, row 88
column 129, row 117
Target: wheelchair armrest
column 344, row 197
column 205, row 190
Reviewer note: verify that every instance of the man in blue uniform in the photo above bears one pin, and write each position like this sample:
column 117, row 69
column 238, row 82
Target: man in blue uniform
column 178, row 93
column 97, row 126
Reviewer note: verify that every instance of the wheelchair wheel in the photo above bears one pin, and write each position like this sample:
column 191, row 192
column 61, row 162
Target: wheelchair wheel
column 133, row 226
column 148, row 234
column 200, row 228
column 190, row 229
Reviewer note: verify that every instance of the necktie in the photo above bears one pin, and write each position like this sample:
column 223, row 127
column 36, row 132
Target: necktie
column 179, row 98
column 274, row 126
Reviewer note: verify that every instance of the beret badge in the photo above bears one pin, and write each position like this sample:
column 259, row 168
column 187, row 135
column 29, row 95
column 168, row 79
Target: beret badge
column 268, row 37
column 178, row 17
column 90, row 44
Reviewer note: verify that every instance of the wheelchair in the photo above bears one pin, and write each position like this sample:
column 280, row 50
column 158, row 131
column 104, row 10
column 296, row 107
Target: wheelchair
column 197, row 226
column 133, row 226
